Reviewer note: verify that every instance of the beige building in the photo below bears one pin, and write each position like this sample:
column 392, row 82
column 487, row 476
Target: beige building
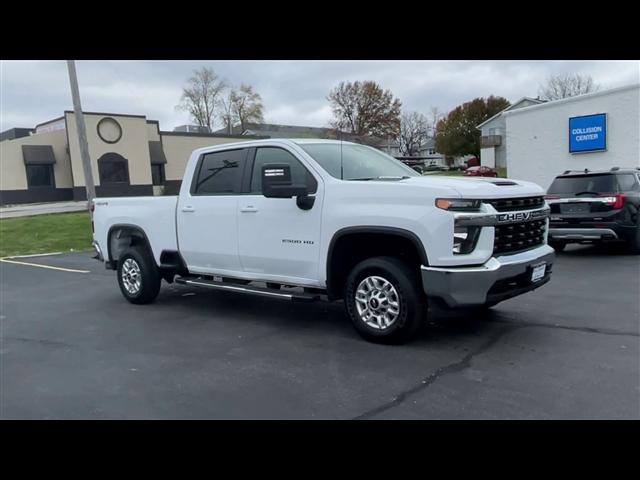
column 129, row 155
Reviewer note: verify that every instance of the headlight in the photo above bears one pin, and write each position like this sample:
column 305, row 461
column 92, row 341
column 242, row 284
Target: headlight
column 464, row 239
column 458, row 204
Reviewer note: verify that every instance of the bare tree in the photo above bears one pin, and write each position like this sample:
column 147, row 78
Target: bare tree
column 201, row 96
column 413, row 133
column 364, row 108
column 568, row 85
column 226, row 111
column 435, row 115
column 246, row 105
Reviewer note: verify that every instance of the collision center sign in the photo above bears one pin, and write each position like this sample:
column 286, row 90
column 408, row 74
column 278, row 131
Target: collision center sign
column 588, row 133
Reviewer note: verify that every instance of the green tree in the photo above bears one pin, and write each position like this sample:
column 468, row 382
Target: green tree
column 457, row 135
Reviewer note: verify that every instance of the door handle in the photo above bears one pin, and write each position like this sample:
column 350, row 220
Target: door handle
column 248, row 208
column 188, row 209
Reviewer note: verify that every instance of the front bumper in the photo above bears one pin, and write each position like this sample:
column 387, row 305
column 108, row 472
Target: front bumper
column 499, row 278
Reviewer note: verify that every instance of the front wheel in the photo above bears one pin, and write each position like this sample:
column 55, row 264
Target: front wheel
column 384, row 300
column 138, row 275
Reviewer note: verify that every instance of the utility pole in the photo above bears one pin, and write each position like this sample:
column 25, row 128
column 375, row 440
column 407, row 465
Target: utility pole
column 82, row 134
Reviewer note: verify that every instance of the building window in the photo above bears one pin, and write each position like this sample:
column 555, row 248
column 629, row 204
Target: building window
column 113, row 168
column 40, row 176
column 157, row 174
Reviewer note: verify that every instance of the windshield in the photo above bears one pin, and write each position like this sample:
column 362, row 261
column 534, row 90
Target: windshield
column 584, row 184
column 359, row 162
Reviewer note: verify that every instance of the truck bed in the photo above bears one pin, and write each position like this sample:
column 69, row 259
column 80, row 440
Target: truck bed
column 156, row 216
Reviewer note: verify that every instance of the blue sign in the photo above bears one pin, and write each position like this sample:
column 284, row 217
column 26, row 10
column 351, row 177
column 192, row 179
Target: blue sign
column 588, row 133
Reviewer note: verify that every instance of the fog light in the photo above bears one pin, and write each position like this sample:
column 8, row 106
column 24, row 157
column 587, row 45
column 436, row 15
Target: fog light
column 464, row 239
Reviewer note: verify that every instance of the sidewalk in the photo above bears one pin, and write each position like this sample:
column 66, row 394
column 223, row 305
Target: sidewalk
column 41, row 209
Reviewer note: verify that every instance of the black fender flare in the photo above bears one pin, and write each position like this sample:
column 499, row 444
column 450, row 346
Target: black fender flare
column 135, row 228
column 375, row 229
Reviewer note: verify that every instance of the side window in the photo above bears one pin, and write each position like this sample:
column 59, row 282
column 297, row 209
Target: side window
column 299, row 174
column 627, row 182
column 219, row 173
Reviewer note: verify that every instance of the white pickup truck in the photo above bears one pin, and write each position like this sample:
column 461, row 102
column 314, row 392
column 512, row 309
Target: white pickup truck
column 328, row 220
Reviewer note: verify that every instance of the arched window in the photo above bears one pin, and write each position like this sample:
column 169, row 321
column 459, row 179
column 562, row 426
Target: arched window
column 113, row 168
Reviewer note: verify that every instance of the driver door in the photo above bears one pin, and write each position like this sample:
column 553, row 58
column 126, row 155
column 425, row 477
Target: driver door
column 278, row 240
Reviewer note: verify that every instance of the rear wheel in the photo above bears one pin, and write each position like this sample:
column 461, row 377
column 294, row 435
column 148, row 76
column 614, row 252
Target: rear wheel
column 634, row 243
column 384, row 300
column 558, row 246
column 138, row 275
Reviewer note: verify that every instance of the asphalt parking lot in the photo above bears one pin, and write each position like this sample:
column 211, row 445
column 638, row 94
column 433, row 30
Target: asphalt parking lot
column 72, row 347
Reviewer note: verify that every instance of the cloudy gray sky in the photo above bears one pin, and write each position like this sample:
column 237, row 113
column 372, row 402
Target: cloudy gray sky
column 294, row 92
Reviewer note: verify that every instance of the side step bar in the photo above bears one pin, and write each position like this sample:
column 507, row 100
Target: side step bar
column 264, row 292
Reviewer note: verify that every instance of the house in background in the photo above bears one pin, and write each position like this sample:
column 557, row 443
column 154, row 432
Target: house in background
column 427, row 155
column 493, row 140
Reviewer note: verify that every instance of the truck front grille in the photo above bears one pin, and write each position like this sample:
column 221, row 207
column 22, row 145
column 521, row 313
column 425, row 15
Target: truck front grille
column 514, row 204
column 518, row 236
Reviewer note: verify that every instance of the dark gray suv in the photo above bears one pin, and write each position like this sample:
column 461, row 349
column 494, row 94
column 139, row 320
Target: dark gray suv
column 590, row 206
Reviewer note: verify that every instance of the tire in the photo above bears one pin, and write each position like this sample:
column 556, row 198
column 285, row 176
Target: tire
column 380, row 281
column 137, row 262
column 634, row 244
column 558, row 246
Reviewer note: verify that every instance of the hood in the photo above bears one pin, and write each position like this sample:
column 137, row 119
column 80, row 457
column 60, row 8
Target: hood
column 480, row 187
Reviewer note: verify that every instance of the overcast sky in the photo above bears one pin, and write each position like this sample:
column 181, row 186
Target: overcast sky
column 293, row 92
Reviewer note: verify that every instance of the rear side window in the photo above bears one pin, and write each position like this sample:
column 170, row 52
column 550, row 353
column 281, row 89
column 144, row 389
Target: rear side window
column 219, row 173
column 605, row 183
column 627, row 182
column 299, row 174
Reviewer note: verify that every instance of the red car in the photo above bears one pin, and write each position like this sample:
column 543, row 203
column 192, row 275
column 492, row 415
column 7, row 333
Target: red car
column 481, row 171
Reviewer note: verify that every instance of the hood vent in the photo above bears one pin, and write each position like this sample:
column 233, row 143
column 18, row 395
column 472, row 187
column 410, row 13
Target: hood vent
column 502, row 183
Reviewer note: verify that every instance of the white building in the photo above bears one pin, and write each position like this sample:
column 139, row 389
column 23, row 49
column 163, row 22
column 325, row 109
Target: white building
column 493, row 143
column 595, row 131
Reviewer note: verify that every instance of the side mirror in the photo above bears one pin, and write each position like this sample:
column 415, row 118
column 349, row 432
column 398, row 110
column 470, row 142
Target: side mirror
column 276, row 182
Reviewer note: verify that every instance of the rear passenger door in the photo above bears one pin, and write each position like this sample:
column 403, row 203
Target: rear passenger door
column 278, row 240
column 207, row 215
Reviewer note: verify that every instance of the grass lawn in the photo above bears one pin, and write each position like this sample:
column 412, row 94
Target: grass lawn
column 59, row 232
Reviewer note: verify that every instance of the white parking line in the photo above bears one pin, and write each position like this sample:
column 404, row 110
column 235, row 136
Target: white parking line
column 11, row 260
column 34, row 255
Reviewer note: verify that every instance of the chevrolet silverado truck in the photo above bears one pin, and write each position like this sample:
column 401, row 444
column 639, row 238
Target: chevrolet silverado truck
column 308, row 220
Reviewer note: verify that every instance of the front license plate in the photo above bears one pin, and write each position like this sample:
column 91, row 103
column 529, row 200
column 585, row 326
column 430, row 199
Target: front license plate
column 537, row 273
